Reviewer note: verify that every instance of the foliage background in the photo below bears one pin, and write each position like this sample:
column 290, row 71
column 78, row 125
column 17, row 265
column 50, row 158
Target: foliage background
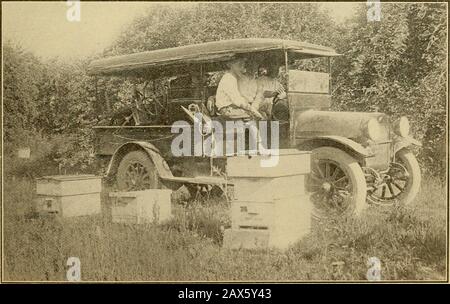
column 397, row 66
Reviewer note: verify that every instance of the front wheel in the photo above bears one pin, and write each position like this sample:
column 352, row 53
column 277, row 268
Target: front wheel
column 412, row 188
column 400, row 184
column 337, row 183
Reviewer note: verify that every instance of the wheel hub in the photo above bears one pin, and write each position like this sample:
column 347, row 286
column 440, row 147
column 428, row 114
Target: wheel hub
column 137, row 177
column 330, row 186
column 389, row 185
column 326, row 186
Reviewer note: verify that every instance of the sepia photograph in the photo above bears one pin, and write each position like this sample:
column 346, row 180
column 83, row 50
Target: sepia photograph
column 257, row 142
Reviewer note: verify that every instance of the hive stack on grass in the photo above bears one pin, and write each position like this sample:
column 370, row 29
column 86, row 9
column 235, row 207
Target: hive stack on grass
column 271, row 207
column 68, row 195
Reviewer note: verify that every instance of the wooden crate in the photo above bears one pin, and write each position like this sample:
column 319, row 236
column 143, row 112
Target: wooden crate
column 62, row 185
column 286, row 211
column 290, row 162
column 68, row 195
column 292, row 221
column 285, row 221
column 256, row 215
column 272, row 207
column 69, row 205
column 246, row 239
column 252, row 182
column 263, row 189
column 141, row 207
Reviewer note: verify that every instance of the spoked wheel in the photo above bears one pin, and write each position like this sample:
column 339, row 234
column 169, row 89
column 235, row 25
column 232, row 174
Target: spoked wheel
column 336, row 183
column 137, row 172
column 400, row 184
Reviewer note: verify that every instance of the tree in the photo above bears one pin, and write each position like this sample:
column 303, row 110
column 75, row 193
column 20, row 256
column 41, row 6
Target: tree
column 22, row 71
column 398, row 66
column 164, row 26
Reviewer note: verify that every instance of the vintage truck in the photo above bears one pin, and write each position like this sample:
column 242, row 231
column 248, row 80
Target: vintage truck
column 357, row 157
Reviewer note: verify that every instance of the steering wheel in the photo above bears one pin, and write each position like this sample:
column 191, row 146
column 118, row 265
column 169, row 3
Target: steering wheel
column 275, row 98
column 284, row 111
column 148, row 104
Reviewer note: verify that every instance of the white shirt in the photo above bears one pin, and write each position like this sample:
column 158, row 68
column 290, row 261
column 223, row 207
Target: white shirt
column 228, row 92
column 248, row 87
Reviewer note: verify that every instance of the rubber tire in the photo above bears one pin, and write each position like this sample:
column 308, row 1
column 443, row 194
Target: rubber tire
column 352, row 169
column 408, row 159
column 143, row 159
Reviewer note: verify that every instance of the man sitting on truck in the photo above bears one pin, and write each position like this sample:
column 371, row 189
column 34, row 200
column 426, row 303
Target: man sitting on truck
column 232, row 104
column 229, row 100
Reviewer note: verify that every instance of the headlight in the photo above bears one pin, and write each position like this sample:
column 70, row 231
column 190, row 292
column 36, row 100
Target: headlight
column 374, row 129
column 401, row 126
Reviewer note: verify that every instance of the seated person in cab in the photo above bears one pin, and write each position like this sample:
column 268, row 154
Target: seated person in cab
column 230, row 102
column 268, row 88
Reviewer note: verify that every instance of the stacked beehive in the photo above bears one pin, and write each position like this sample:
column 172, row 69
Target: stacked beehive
column 271, row 207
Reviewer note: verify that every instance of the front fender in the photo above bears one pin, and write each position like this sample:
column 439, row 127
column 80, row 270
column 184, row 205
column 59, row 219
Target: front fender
column 403, row 142
column 161, row 166
column 350, row 146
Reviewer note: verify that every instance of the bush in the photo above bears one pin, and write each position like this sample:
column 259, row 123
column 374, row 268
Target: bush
column 50, row 154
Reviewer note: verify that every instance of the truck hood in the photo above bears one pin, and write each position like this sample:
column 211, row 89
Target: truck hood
column 347, row 124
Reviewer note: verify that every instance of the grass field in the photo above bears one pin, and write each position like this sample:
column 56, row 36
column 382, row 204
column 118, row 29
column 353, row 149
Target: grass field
column 410, row 243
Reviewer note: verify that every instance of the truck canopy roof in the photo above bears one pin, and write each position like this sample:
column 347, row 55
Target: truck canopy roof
column 217, row 51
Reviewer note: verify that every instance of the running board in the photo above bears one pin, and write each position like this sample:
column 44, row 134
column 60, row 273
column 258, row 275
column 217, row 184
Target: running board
column 199, row 180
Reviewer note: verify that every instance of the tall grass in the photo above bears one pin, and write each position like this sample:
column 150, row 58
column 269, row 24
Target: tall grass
column 410, row 243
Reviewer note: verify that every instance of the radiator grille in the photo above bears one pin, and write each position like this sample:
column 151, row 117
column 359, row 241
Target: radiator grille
column 382, row 156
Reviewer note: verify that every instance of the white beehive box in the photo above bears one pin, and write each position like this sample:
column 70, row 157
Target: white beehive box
column 285, row 221
column 290, row 162
column 263, row 189
column 252, row 182
column 292, row 221
column 68, row 195
column 63, row 185
column 141, row 207
column 272, row 207
column 257, row 215
column 246, row 239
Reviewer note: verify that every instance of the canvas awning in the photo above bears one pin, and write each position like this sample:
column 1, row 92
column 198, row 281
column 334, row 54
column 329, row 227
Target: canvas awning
column 202, row 52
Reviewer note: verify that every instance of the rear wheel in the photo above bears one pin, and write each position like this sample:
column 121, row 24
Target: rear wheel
column 336, row 183
column 136, row 171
